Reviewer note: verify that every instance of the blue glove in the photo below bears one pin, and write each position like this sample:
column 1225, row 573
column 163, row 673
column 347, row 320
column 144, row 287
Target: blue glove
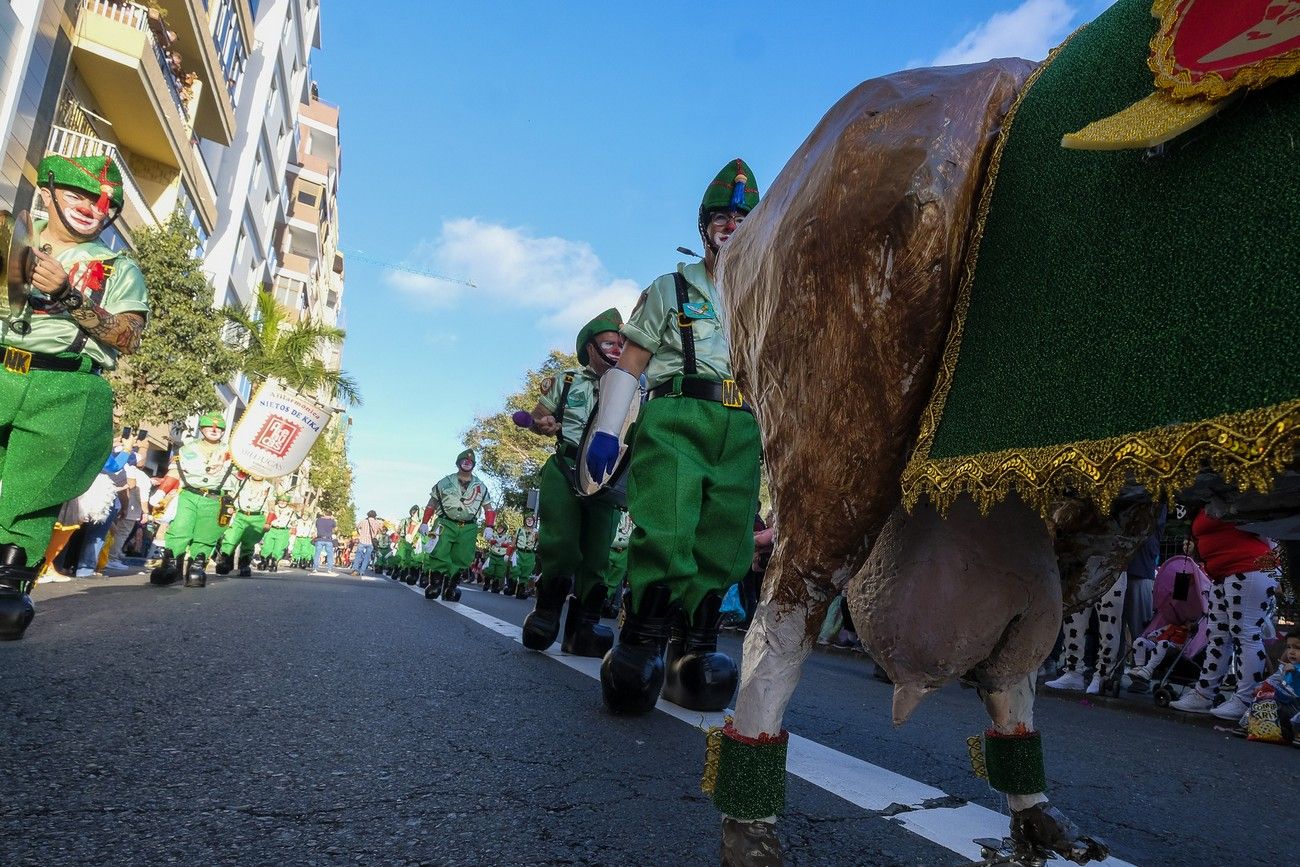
column 601, row 455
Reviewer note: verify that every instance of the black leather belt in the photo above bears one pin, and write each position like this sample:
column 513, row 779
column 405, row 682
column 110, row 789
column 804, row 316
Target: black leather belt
column 202, row 493
column 20, row 361
column 726, row 392
column 457, row 523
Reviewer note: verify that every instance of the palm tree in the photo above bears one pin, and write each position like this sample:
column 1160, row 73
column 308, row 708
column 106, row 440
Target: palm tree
column 272, row 346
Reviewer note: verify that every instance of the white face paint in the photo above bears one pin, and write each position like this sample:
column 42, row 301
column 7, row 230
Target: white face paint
column 80, row 213
column 466, row 465
column 211, row 433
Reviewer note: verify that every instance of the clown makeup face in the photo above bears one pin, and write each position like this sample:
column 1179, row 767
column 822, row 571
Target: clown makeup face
column 608, row 346
column 722, row 224
column 80, row 217
column 211, row 433
column 466, row 465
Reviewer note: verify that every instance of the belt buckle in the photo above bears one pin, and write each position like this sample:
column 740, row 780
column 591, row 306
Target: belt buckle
column 17, row 360
column 731, row 396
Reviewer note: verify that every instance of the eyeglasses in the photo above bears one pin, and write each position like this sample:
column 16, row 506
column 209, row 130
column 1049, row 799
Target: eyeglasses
column 722, row 218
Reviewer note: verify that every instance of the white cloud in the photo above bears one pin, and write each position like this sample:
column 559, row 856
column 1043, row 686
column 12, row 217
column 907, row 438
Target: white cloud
column 563, row 280
column 1030, row 31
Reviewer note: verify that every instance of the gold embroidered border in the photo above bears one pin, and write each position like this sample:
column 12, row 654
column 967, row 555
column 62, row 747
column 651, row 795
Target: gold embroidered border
column 1247, row 448
column 1180, row 82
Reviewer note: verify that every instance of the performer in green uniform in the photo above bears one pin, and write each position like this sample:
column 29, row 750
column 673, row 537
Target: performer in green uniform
column 408, row 537
column 276, row 540
column 498, row 564
column 248, row 525
column 55, row 409
column 573, row 543
column 526, row 548
column 457, row 500
column 203, row 467
column 304, row 547
column 693, row 478
column 383, row 549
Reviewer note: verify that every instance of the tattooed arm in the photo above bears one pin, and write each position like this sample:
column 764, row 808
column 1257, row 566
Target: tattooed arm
column 122, row 331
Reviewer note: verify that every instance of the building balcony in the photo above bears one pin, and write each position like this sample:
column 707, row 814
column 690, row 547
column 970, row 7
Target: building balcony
column 136, row 212
column 134, row 88
column 214, row 117
column 296, row 266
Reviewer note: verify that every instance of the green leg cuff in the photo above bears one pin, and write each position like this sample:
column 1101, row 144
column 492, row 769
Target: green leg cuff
column 1015, row 762
column 746, row 776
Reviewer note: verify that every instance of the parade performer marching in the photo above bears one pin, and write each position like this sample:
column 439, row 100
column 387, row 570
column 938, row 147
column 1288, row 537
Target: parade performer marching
column 616, row 568
column 248, row 525
column 276, row 540
column 457, row 500
column 304, row 547
column 55, row 409
column 408, row 538
column 498, row 565
column 693, row 478
column 383, row 549
column 573, row 542
column 526, row 548
column 203, row 467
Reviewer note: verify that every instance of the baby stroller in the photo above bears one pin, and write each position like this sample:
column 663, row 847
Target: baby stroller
column 1179, row 597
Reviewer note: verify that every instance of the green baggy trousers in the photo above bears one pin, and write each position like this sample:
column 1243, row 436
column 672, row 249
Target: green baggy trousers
column 275, row 543
column 244, row 532
column 56, row 429
column 455, row 551
column 574, row 533
column 693, row 492
column 195, row 526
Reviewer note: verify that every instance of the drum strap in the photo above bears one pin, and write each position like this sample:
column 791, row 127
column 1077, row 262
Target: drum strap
column 684, row 326
column 561, row 406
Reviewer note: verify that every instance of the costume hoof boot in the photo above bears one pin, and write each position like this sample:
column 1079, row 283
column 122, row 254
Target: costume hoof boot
column 433, row 589
column 195, row 576
column 410, row 576
column 698, row 677
column 542, row 624
column 632, row 674
column 245, row 567
column 1042, row 831
column 422, row 581
column 584, row 635
column 750, row 844
column 16, row 608
column 165, row 572
column 450, row 589
column 225, row 563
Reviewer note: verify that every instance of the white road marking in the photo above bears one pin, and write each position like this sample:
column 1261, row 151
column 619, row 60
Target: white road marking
column 861, row 783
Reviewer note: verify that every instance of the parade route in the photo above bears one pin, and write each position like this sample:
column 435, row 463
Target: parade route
column 327, row 719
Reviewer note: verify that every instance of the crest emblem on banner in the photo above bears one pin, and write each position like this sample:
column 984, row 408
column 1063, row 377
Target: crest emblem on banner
column 1204, row 52
column 276, row 431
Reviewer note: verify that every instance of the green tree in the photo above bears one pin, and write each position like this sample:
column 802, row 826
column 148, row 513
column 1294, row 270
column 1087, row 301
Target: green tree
column 182, row 357
column 512, row 455
column 272, row 345
column 330, row 473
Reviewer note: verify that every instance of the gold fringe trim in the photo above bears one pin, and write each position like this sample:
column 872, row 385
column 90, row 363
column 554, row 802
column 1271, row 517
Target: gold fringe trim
column 1180, row 82
column 1247, row 448
column 975, row 748
column 1152, row 120
column 712, row 756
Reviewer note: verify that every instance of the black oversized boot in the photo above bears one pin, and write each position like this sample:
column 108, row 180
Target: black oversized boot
column 245, row 565
column 193, row 568
column 225, row 563
column 698, row 676
column 584, row 634
column 433, row 588
column 542, row 624
column 451, row 588
column 633, row 671
column 16, row 608
column 409, row 575
column 166, row 572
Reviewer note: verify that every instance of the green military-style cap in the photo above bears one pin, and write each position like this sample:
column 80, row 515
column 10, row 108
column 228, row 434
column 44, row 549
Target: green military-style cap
column 733, row 189
column 96, row 174
column 212, row 419
column 468, row 453
column 610, row 320
column 415, row 510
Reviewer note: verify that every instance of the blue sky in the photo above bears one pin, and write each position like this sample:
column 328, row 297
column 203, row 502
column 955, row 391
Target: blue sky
column 555, row 153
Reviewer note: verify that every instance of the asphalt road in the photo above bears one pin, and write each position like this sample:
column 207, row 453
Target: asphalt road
column 300, row 719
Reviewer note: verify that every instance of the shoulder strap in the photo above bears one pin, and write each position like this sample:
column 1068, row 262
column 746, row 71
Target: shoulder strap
column 684, row 326
column 561, row 405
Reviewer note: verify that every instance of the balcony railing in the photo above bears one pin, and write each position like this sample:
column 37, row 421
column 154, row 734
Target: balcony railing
column 68, row 143
column 137, row 17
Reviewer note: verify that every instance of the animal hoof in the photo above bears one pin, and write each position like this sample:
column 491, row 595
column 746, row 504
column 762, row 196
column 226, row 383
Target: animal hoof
column 750, row 844
column 1043, row 829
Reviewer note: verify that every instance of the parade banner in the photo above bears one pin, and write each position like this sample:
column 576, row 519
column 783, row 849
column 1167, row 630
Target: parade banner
column 274, row 434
